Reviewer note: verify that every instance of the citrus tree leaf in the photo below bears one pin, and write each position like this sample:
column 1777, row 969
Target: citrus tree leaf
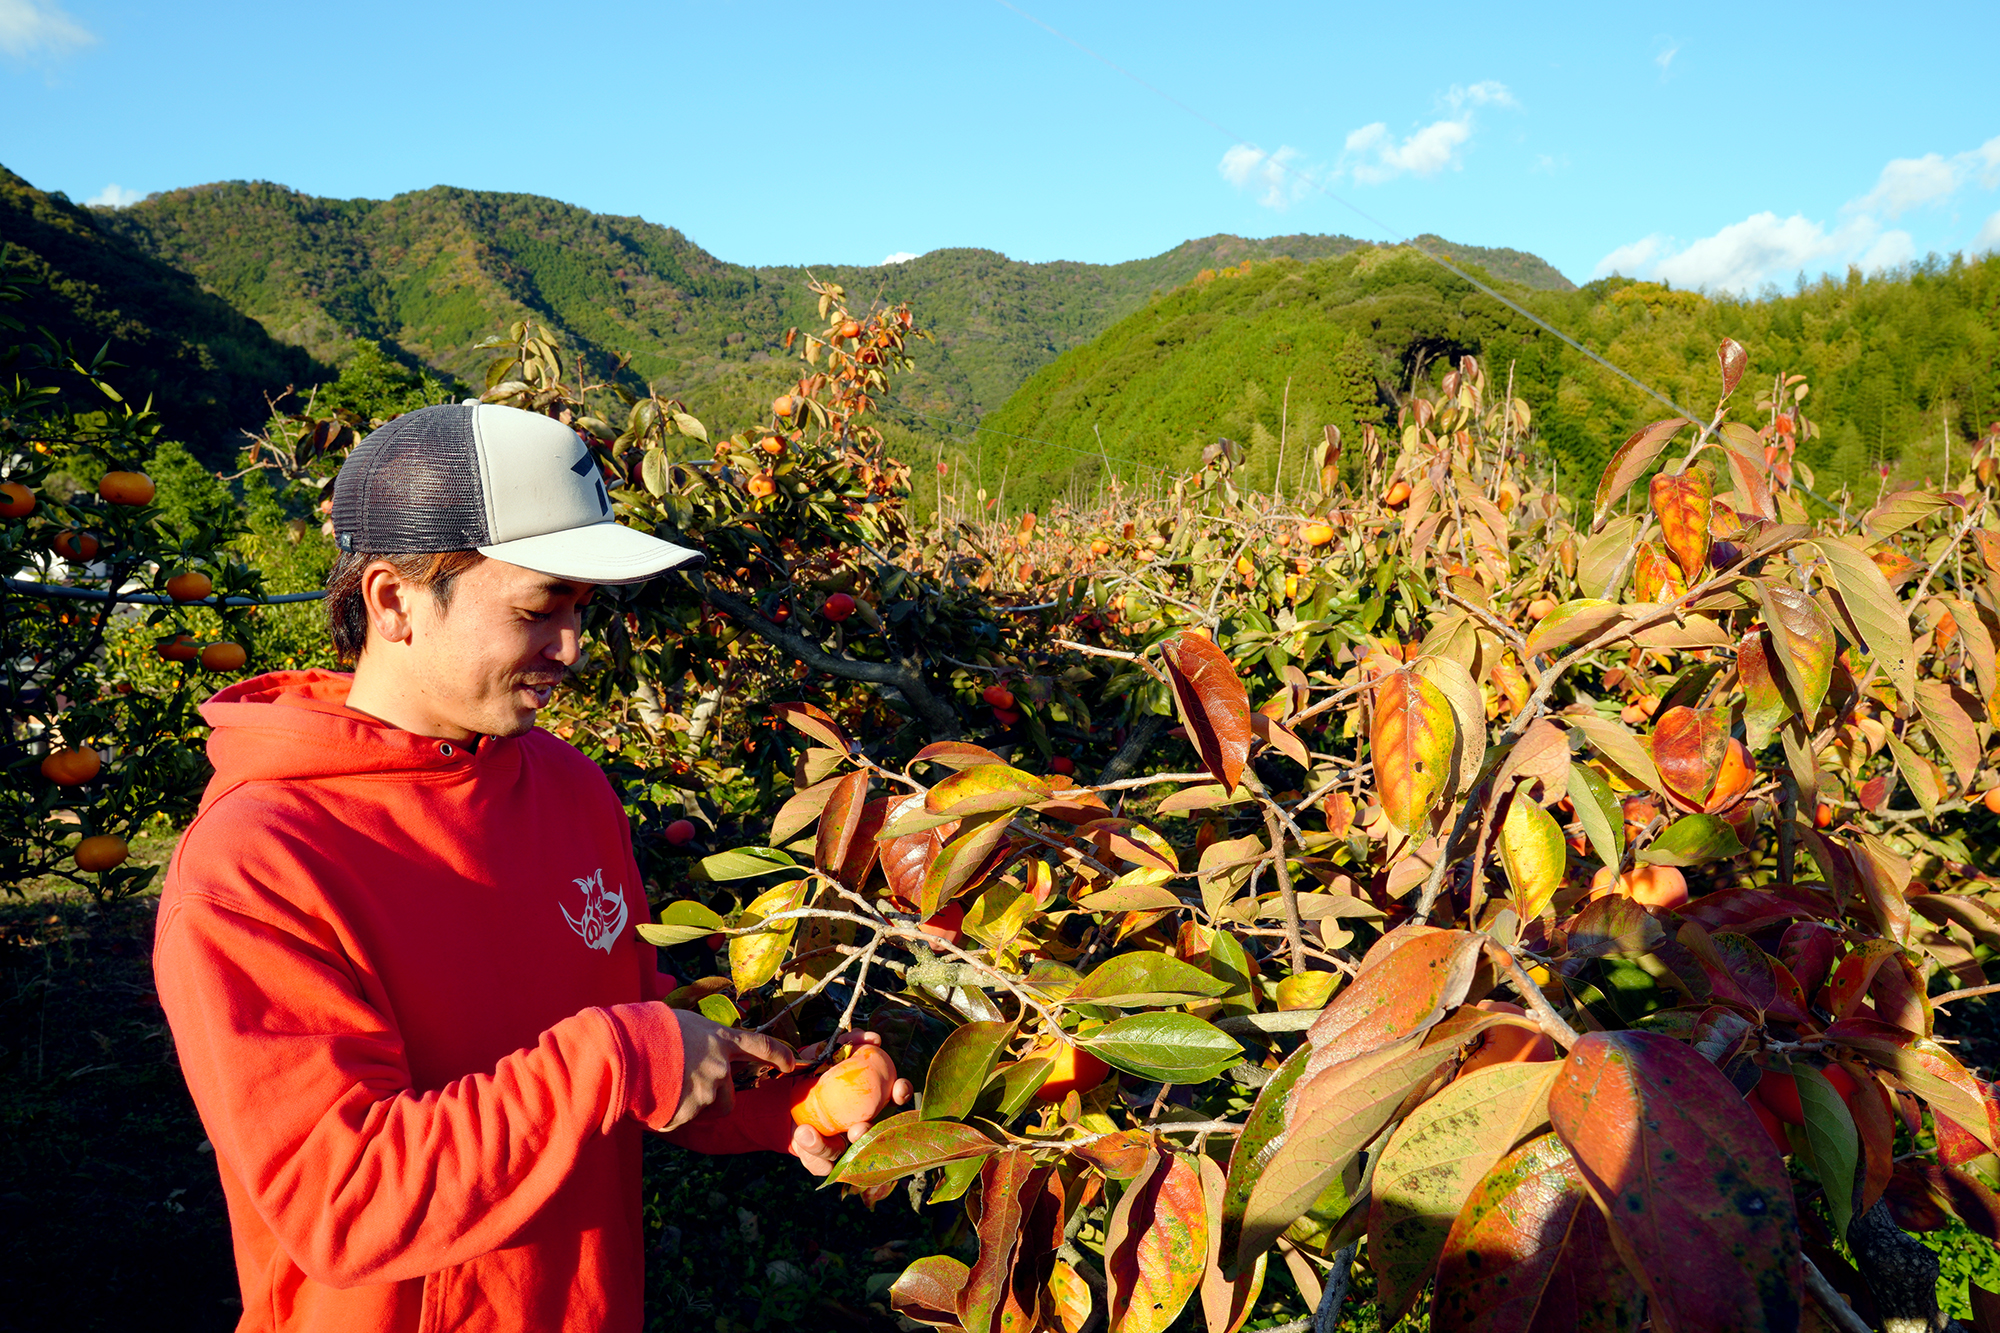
column 1531, row 1253
column 1881, row 620
column 1693, row 1189
column 1531, row 847
column 1630, row 462
column 959, row 1070
column 1681, row 502
column 1598, row 811
column 1212, row 704
column 1412, row 747
column 1156, row 1246
column 1693, row 840
column 1833, row 1145
column 984, row 789
column 680, row 922
column 1803, row 642
column 927, row 1291
column 903, row 1145
column 1433, row 1162
column 1164, row 1047
column 1146, row 979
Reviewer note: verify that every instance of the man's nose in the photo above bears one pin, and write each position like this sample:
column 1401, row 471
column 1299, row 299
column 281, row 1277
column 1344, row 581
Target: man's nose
column 567, row 646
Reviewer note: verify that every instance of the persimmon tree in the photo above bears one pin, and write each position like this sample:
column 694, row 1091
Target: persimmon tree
column 89, row 758
column 1553, row 916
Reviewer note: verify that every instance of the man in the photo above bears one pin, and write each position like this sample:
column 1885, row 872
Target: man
column 395, row 946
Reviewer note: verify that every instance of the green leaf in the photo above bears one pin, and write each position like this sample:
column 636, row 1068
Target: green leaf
column 719, row 1009
column 961, row 1067
column 959, row 862
column 1691, row 841
column 1140, row 890
column 1803, row 642
column 1573, row 622
column 1833, row 1145
column 1146, row 979
column 1881, row 620
column 1597, row 809
column 1600, row 558
column 746, row 863
column 1012, row 1087
column 903, row 1145
column 680, row 922
column 1165, row 1047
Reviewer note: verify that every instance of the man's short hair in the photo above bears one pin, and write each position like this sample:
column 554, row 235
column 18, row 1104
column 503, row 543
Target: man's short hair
column 347, row 614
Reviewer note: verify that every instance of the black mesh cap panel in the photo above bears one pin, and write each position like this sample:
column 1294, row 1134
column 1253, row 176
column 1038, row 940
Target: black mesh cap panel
column 413, row 486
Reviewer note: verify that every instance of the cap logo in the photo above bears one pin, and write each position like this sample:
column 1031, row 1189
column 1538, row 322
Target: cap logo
column 586, row 464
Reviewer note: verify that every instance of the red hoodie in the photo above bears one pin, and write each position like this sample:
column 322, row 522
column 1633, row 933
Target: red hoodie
column 417, row 1023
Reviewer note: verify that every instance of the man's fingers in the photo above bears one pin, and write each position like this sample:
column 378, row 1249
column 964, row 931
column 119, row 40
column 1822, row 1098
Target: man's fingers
column 901, row 1091
column 764, row 1050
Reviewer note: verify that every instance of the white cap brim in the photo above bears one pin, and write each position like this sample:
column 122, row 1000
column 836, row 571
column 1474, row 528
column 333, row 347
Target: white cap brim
column 595, row 553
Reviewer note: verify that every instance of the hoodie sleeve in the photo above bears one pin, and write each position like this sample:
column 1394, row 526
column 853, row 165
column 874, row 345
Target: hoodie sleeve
column 306, row 1094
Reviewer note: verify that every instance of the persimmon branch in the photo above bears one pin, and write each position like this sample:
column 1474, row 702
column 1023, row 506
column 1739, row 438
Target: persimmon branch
column 1538, row 1004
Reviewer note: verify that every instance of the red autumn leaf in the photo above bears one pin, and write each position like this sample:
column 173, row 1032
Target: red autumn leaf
column 1412, row 747
column 1402, row 991
column 839, row 822
column 996, row 1208
column 1687, row 1177
column 815, row 723
column 1156, row 1246
column 1682, row 502
column 927, row 1291
column 1212, row 704
column 906, row 860
column 1630, row 463
column 1734, row 360
column 1530, row 1253
column 1688, row 746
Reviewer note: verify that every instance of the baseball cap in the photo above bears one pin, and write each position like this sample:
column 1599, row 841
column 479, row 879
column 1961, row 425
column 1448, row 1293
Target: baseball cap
column 513, row 485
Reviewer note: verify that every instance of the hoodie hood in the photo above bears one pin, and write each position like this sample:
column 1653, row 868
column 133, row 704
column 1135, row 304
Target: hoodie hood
column 297, row 725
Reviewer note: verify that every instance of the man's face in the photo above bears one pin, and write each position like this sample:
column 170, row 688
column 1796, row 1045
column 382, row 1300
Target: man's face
column 486, row 663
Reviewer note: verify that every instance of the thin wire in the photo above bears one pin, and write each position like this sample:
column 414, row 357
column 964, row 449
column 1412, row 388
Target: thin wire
column 1358, row 211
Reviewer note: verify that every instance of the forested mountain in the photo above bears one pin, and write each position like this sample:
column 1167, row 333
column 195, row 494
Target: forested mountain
column 1898, row 363
column 433, row 272
column 206, row 364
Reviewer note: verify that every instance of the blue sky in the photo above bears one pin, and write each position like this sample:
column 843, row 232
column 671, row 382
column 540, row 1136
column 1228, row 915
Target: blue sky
column 1723, row 148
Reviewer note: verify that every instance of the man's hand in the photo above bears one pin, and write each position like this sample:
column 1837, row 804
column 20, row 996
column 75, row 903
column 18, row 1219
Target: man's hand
column 819, row 1152
column 709, row 1052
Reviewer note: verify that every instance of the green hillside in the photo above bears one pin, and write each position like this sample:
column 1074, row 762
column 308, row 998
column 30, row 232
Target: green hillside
column 206, row 364
column 1895, row 363
column 430, row 273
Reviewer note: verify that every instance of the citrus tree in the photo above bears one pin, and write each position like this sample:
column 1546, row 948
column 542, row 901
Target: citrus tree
column 1551, row 911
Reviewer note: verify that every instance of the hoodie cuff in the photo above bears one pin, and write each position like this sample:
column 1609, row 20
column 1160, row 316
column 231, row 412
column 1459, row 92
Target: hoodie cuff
column 647, row 1039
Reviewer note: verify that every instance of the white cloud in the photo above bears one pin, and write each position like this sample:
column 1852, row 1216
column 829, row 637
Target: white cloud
column 1282, row 183
column 1665, row 58
column 1765, row 248
column 112, row 196
column 1425, row 153
column 32, row 27
column 1487, row 92
column 900, row 257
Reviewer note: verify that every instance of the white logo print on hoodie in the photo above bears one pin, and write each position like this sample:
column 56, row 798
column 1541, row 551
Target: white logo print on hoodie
column 604, row 913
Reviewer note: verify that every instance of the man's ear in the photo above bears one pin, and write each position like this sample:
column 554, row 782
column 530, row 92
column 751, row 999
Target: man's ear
column 387, row 597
